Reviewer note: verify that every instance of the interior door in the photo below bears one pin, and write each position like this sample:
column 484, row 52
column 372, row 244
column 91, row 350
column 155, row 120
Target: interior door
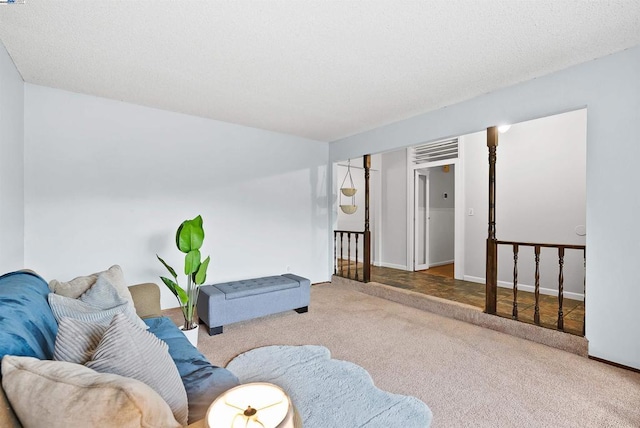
column 421, row 220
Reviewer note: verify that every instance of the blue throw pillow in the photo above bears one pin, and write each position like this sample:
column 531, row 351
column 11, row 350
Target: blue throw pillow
column 202, row 380
column 27, row 326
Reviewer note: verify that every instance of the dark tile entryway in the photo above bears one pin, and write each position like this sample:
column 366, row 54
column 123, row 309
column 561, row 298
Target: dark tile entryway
column 439, row 282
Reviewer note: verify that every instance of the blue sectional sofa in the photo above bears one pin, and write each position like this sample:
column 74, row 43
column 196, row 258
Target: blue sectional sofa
column 28, row 328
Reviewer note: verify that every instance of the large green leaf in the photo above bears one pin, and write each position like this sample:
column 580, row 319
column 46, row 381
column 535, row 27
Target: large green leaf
column 190, row 235
column 177, row 291
column 189, row 239
column 191, row 262
column 201, row 275
column 169, row 268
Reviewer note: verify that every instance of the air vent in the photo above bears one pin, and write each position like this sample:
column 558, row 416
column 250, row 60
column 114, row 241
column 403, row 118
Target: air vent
column 440, row 150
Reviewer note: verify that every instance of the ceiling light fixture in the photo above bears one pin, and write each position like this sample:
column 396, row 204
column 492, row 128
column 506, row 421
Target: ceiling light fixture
column 503, row 128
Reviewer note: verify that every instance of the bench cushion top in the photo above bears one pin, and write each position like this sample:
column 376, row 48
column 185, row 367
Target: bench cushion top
column 250, row 287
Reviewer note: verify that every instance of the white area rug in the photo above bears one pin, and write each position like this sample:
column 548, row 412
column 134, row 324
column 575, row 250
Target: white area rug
column 329, row 393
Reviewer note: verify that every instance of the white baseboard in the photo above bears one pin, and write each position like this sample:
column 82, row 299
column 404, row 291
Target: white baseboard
column 353, row 259
column 474, row 279
column 392, row 266
column 376, row 263
column 446, row 262
column 528, row 288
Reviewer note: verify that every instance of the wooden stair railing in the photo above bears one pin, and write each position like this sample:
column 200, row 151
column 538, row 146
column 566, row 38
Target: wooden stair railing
column 536, row 253
column 491, row 290
column 339, row 260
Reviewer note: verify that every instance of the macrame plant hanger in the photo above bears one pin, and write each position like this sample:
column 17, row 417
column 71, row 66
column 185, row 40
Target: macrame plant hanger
column 349, row 192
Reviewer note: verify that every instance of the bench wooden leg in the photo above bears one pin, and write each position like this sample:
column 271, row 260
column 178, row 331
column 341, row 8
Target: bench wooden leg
column 302, row 310
column 215, row 330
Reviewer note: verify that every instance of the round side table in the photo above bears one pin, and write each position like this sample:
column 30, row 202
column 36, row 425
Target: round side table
column 257, row 404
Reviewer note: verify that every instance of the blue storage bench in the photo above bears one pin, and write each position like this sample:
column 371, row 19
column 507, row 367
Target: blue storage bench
column 229, row 302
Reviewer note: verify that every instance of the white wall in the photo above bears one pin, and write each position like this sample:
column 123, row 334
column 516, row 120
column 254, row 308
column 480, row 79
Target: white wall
column 393, row 220
column 109, row 182
column 610, row 88
column 540, row 197
column 476, row 176
column 11, row 165
column 441, row 215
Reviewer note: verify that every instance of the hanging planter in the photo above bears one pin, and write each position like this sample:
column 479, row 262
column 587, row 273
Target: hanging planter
column 349, row 192
column 348, row 209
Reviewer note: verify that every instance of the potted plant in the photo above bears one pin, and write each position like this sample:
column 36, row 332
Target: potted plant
column 189, row 238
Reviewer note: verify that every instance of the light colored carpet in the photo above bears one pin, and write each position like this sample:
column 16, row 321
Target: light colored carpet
column 328, row 392
column 471, row 314
column 468, row 375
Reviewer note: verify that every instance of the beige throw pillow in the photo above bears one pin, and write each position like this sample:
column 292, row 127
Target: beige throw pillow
column 56, row 394
column 78, row 286
column 74, row 288
column 132, row 352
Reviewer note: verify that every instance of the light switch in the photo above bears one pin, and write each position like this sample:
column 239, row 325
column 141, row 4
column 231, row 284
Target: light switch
column 470, row 211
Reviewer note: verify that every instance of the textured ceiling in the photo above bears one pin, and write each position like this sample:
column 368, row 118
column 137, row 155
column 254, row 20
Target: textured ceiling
column 318, row 69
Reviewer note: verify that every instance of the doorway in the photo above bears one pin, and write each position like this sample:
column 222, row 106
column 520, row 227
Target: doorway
column 434, row 218
column 421, row 220
column 435, row 207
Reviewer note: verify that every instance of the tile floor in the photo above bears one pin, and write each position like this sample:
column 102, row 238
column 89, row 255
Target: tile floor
column 439, row 282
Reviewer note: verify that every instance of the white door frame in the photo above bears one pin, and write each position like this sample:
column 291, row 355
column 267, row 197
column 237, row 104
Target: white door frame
column 417, row 173
column 459, row 212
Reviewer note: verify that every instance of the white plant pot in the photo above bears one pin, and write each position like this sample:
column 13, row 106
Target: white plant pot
column 192, row 335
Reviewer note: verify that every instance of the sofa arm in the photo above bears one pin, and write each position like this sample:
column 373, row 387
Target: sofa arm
column 146, row 298
column 8, row 419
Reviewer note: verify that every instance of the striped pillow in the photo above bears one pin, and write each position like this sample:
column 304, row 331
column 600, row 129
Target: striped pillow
column 128, row 351
column 77, row 340
column 97, row 305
